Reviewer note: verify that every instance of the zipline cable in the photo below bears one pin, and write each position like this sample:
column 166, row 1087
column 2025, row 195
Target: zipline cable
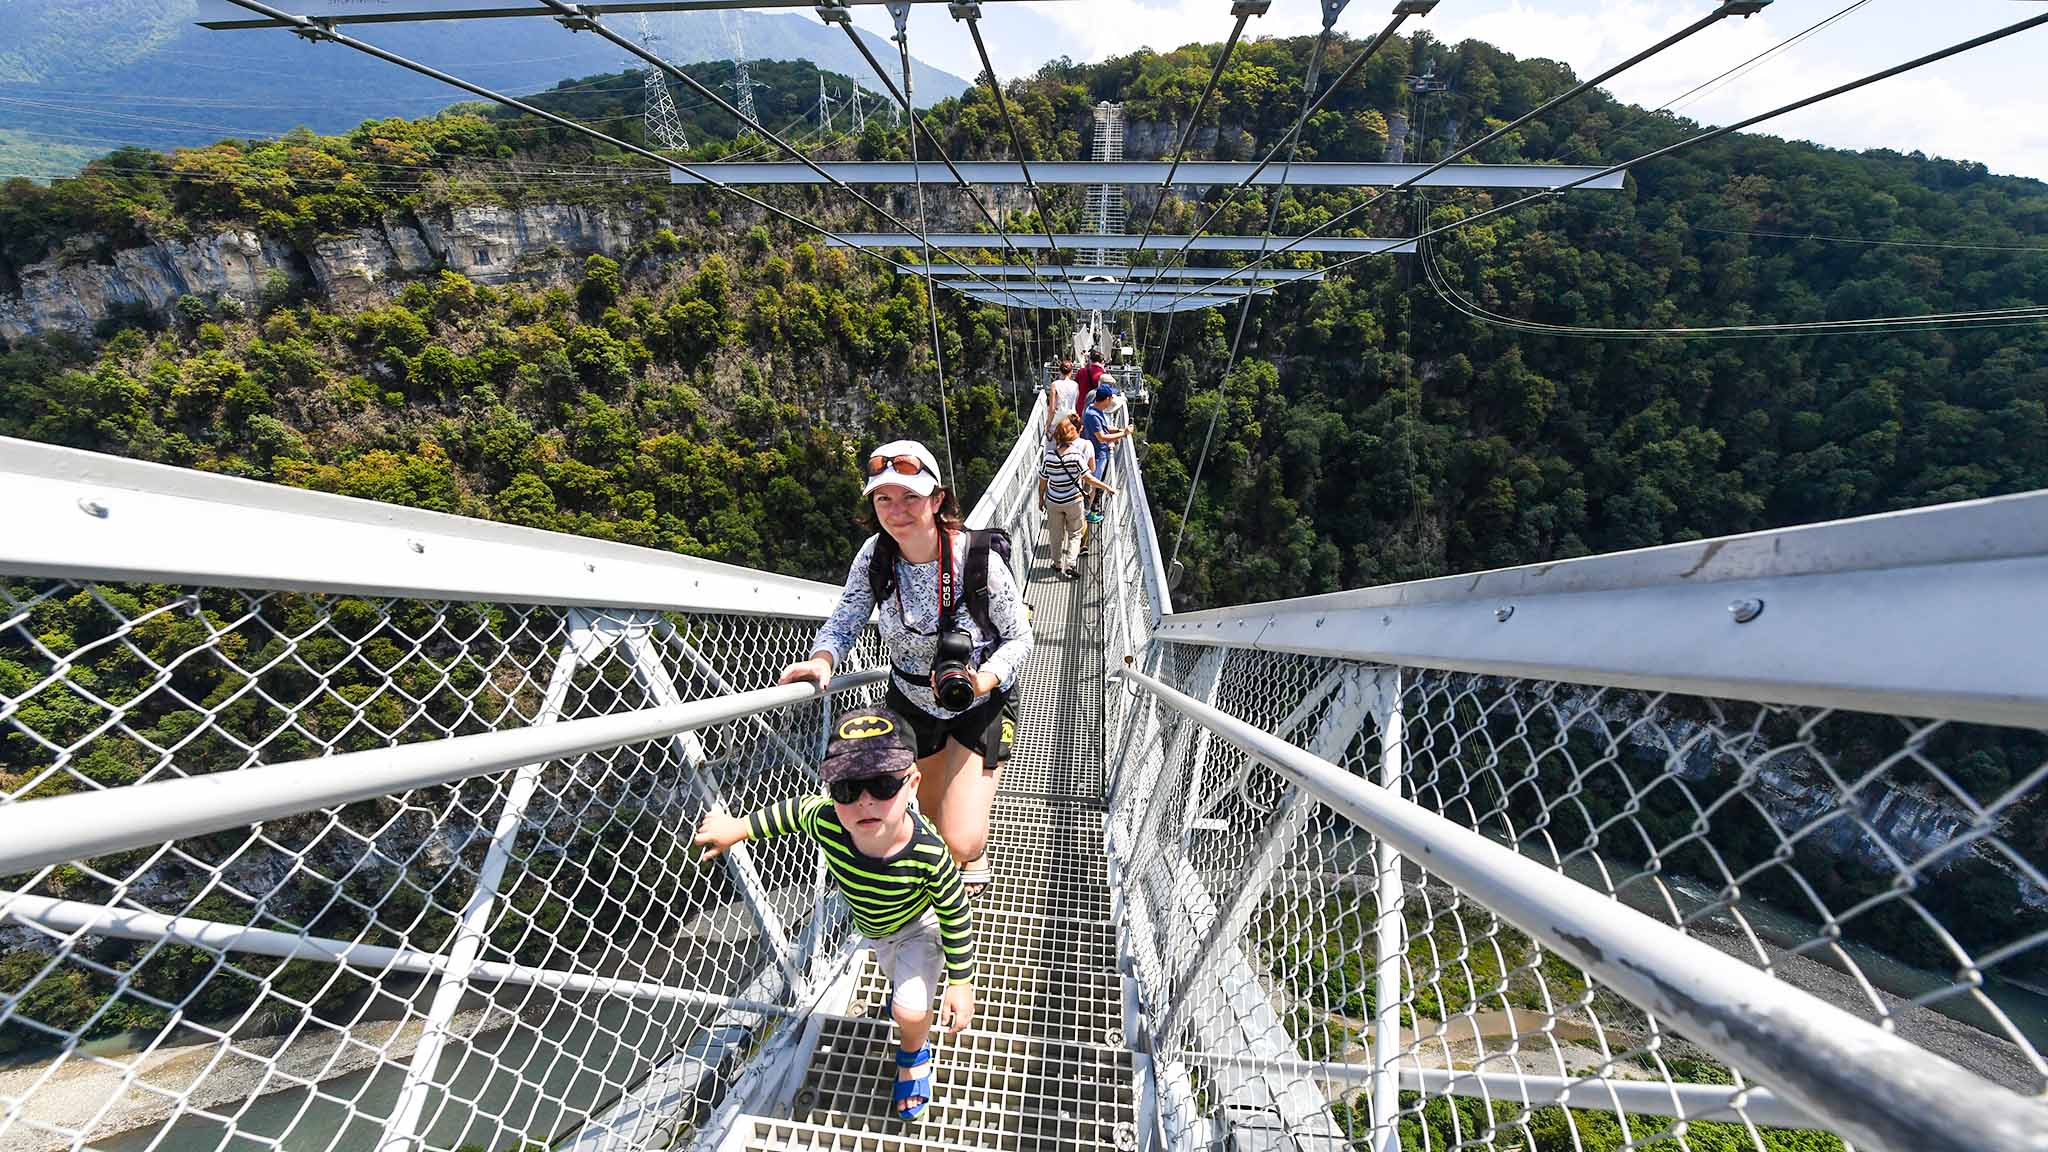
column 1920, row 322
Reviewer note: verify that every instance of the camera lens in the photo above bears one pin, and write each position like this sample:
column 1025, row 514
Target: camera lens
column 955, row 691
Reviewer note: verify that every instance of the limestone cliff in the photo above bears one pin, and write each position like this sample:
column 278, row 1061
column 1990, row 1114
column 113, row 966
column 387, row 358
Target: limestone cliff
column 75, row 290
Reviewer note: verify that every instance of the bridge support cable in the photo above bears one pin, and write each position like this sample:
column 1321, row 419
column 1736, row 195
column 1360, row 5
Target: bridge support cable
column 970, row 12
column 1717, row 133
column 576, row 17
column 1243, row 10
column 317, row 31
column 1312, row 102
column 1331, row 10
column 1743, row 8
column 835, row 12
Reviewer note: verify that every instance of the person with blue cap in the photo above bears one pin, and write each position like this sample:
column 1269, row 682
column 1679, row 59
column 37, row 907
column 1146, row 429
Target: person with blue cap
column 1095, row 425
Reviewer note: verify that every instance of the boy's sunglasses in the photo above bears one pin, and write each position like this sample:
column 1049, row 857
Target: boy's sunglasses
column 880, row 787
column 907, row 465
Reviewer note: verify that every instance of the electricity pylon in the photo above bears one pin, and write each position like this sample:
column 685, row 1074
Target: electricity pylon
column 658, row 106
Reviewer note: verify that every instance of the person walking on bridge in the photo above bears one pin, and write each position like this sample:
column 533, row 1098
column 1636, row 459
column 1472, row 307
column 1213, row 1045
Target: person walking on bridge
column 1066, row 470
column 1064, row 398
column 953, row 625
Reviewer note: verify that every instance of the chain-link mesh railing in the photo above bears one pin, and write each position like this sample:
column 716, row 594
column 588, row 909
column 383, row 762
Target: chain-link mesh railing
column 1293, row 969
column 512, row 959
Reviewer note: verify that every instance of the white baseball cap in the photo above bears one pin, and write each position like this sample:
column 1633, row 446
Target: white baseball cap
column 920, row 483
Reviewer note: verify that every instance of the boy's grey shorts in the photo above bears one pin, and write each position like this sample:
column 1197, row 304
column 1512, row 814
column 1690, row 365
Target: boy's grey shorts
column 913, row 962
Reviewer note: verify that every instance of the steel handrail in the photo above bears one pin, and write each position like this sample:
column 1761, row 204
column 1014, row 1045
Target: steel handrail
column 61, row 829
column 86, row 516
column 1868, row 1085
column 1933, row 612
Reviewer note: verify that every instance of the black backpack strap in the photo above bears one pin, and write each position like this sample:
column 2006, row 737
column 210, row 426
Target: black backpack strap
column 882, row 568
column 975, row 586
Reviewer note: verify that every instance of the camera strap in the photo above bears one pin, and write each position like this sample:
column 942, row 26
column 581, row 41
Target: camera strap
column 949, row 596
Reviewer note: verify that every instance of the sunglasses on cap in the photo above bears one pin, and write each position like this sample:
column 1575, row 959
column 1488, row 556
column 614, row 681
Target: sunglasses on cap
column 880, row 787
column 907, row 465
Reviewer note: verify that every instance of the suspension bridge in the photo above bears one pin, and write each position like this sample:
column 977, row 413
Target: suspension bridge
column 390, row 846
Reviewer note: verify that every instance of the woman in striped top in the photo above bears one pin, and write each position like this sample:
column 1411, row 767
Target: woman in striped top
column 897, row 875
column 1067, row 466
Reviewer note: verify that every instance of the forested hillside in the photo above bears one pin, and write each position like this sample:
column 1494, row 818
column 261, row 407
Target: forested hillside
column 706, row 387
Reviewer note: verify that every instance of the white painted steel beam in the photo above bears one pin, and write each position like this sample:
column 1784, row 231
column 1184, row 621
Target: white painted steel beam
column 86, row 516
column 402, row 1127
column 1935, row 612
column 70, row 917
column 1086, row 275
column 1197, row 173
column 1158, row 301
column 62, row 829
column 1355, row 245
column 1724, row 1102
column 221, row 16
column 1867, row 1084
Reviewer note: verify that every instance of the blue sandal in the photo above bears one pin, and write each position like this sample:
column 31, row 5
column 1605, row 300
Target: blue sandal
column 915, row 1086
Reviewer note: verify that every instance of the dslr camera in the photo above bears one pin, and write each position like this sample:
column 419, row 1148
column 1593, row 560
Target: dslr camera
column 952, row 679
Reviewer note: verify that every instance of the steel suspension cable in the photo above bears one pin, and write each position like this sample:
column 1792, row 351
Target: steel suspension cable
column 835, row 12
column 1244, row 10
column 931, row 296
column 1308, row 87
column 970, row 11
column 313, row 31
column 1713, row 134
column 1743, row 8
column 1402, row 10
column 1734, row 71
column 576, row 18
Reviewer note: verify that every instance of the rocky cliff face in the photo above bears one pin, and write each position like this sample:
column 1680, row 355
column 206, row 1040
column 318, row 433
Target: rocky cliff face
column 73, row 292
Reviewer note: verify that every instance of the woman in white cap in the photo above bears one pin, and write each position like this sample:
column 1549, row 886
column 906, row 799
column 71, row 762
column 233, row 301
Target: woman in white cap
column 917, row 572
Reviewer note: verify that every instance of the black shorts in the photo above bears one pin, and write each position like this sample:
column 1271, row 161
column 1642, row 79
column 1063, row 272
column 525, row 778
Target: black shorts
column 988, row 729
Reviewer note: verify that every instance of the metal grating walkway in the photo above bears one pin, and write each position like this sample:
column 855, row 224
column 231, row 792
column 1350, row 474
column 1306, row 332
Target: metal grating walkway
column 1044, row 1067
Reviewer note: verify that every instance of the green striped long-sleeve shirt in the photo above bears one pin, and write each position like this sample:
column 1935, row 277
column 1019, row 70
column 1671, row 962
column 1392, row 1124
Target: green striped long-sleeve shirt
column 885, row 893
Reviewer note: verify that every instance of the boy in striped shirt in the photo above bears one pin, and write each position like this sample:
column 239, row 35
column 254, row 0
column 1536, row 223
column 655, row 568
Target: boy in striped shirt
column 896, row 874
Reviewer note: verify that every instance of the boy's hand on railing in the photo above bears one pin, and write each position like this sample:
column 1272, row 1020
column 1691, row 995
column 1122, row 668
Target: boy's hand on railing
column 717, row 832
column 818, row 672
column 956, row 1008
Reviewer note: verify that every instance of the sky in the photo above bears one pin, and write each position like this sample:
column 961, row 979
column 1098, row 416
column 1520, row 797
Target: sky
column 1988, row 105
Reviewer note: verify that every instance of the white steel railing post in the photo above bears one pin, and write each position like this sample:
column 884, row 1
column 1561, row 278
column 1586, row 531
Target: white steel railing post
column 401, row 1129
column 1355, row 701
column 636, row 633
column 1389, row 935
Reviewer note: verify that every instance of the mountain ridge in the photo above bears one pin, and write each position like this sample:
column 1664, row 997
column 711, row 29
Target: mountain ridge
column 102, row 74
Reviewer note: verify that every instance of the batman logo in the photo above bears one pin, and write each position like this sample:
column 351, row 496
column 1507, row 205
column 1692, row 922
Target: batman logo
column 864, row 727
